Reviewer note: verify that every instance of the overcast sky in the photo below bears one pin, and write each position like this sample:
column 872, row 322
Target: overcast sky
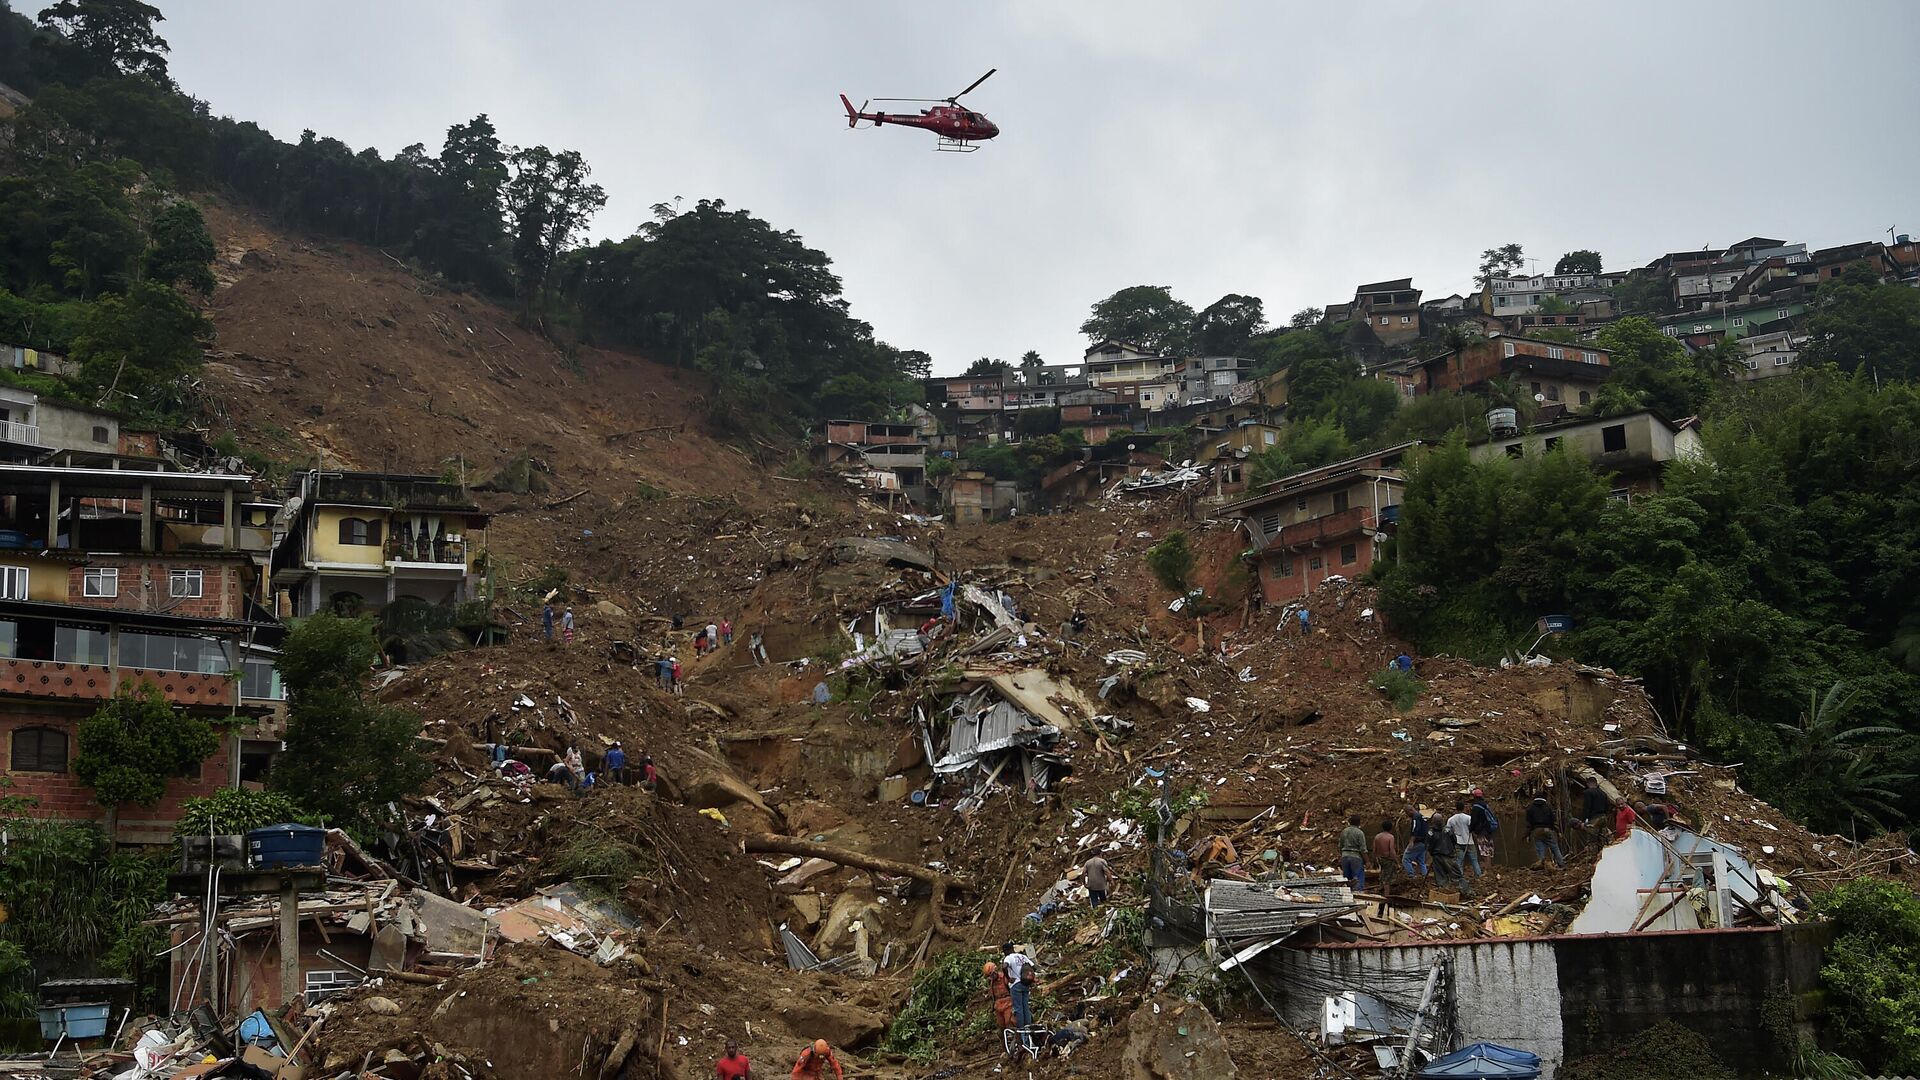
column 1289, row 151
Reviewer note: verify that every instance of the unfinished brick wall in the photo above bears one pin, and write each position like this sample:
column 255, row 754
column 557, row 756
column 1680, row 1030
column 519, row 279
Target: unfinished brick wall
column 63, row 795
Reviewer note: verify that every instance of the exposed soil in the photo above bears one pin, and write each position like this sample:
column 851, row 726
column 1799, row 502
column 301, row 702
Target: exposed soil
column 338, row 354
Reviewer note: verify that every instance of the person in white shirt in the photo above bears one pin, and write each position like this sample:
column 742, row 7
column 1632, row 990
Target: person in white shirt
column 1018, row 966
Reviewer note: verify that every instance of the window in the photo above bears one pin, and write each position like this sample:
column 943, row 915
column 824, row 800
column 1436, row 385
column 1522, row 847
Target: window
column 101, row 582
column 9, row 638
column 1613, row 437
column 13, row 583
column 1146, row 395
column 1739, row 320
column 1555, row 352
column 1270, row 524
column 1534, row 388
column 170, row 652
column 1283, row 567
column 1589, row 358
column 260, row 679
column 1405, row 319
column 1384, row 320
column 1349, row 554
column 1514, row 450
column 1313, row 563
column 359, row 532
column 74, row 644
column 185, row 584
column 1267, row 437
column 1782, row 361
column 38, row 749
column 1300, row 504
column 1553, row 392
column 1670, row 331
column 1753, row 365
column 1509, row 348
column 1586, row 398
column 1783, row 313
column 1339, row 501
column 322, row 985
column 101, row 435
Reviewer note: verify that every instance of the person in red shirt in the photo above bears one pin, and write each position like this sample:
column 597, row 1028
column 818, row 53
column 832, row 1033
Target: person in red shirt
column 1623, row 820
column 814, row 1061
column 734, row 1066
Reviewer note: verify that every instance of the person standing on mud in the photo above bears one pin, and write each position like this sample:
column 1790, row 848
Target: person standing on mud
column 726, row 631
column 734, row 1064
column 1353, row 854
column 546, row 620
column 566, row 625
column 678, row 689
column 999, row 992
column 757, row 645
column 1306, row 623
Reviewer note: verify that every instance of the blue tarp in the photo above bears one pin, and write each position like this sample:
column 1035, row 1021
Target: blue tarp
column 1483, row 1061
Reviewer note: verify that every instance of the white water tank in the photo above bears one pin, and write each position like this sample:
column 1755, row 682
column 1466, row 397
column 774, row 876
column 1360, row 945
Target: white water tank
column 1503, row 422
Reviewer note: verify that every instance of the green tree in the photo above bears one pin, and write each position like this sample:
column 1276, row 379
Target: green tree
column 1303, row 444
column 1648, row 362
column 1583, row 261
column 134, row 350
column 1030, row 365
column 347, row 755
column 134, row 744
column 466, row 237
column 1859, row 323
column 1644, row 292
column 1146, row 315
column 233, row 811
column 1496, row 261
column 1840, row 776
column 1224, row 327
column 549, row 201
column 1871, row 974
column 1172, row 561
column 181, row 252
column 99, row 37
column 987, row 365
column 1305, row 317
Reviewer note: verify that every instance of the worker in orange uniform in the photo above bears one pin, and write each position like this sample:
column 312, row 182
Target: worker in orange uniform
column 1000, row 992
column 814, row 1061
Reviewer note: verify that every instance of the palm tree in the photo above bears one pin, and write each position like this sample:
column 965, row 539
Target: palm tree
column 1509, row 391
column 1843, row 775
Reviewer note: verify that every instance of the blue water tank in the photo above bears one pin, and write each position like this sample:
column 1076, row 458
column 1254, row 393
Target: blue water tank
column 279, row 846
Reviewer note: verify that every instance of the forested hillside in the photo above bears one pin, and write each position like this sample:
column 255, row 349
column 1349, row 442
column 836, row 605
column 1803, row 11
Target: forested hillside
column 95, row 229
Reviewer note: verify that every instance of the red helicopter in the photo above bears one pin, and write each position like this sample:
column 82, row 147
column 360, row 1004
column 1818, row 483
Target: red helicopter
column 958, row 128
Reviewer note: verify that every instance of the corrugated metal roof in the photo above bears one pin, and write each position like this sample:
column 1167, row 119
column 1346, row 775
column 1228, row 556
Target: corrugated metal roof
column 1004, row 726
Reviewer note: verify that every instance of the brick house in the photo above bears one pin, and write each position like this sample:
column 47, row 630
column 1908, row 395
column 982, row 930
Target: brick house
column 1391, row 309
column 1561, row 373
column 888, row 458
column 112, row 578
column 1314, row 524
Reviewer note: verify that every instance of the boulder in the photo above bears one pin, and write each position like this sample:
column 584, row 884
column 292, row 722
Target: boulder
column 846, row 1026
column 1170, row 1039
column 383, row 1006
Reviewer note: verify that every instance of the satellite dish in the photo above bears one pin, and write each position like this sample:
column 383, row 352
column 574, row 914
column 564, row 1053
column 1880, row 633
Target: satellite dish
column 1540, row 398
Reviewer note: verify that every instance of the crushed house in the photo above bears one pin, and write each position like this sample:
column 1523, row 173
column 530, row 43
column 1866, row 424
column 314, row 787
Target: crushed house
column 114, row 578
column 1326, row 521
column 359, row 541
column 886, row 460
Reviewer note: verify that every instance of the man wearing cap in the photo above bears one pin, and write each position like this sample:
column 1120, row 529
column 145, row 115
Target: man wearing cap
column 814, row 1061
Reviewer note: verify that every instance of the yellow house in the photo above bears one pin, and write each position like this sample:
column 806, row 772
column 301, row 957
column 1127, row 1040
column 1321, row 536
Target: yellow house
column 359, row 541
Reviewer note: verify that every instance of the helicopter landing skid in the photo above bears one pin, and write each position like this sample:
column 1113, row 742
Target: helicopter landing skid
column 955, row 146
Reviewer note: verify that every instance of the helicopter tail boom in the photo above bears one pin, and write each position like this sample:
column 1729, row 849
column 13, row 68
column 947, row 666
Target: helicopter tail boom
column 853, row 115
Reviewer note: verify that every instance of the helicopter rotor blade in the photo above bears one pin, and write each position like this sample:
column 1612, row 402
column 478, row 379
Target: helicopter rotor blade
column 926, row 99
column 954, row 100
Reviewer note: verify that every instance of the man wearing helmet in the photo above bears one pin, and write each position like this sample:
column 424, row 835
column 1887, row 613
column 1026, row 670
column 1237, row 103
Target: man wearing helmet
column 814, row 1061
column 999, row 992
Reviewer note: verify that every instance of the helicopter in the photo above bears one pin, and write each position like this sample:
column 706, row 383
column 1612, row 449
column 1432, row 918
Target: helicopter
column 959, row 128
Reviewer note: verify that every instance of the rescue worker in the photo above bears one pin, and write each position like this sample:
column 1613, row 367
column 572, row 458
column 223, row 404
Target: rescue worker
column 814, row 1060
column 999, row 992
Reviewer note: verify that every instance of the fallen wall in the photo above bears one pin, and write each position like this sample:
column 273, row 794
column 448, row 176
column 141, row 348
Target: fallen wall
column 1566, row 997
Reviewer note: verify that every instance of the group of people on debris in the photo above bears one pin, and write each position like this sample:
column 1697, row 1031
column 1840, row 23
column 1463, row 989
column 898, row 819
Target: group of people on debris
column 547, row 620
column 1448, row 846
column 570, row 769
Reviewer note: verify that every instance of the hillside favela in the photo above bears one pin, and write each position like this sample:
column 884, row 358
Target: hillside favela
column 668, row 542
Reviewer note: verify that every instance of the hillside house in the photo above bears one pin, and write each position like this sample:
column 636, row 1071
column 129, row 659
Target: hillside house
column 970, row 393
column 1321, row 522
column 976, row 498
column 33, row 427
column 1110, row 363
column 1212, row 378
column 1632, row 450
column 1769, row 354
column 112, row 578
column 1390, row 309
column 1560, row 373
column 1230, row 452
column 359, row 541
column 1513, row 295
column 886, row 458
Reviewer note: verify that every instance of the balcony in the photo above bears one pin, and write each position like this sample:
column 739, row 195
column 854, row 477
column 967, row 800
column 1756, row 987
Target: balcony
column 97, row 682
column 442, row 555
column 1318, row 531
column 15, row 432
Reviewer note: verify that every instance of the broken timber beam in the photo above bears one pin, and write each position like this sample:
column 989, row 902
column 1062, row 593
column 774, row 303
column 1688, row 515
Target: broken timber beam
column 1587, row 774
column 773, row 843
